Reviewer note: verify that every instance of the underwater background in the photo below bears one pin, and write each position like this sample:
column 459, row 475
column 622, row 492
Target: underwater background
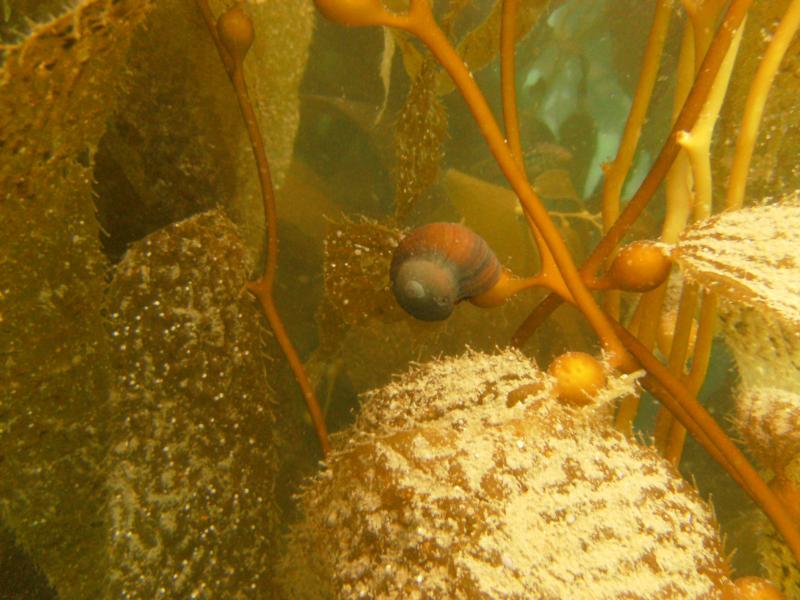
column 153, row 438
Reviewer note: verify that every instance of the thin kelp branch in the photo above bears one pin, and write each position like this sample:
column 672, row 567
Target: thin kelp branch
column 677, row 184
column 233, row 35
column 691, row 111
column 697, row 195
column 673, row 394
column 423, row 25
column 673, row 438
column 680, row 400
column 701, row 358
column 754, row 105
column 508, row 27
column 685, row 121
column 508, row 91
column 420, row 22
column 617, row 171
column 678, row 355
column 697, row 140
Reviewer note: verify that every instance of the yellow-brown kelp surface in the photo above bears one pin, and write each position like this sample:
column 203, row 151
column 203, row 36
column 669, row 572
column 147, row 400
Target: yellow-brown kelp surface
column 466, row 478
column 192, row 463
column 70, row 417
column 749, row 258
column 57, row 89
column 176, row 144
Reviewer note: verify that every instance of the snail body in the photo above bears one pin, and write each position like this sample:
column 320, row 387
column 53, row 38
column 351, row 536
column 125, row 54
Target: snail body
column 440, row 264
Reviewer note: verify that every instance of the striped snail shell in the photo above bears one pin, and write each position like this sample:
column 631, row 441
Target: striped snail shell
column 438, row 265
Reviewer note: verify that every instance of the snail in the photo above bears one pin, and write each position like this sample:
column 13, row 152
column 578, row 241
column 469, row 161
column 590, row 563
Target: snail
column 440, row 264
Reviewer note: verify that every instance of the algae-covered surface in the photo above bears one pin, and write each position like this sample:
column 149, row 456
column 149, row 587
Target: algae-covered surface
column 153, row 440
column 108, row 487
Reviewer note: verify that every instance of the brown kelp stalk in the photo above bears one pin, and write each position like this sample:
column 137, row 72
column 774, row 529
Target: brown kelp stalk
column 697, row 202
column 233, row 36
column 549, row 274
column 667, row 388
column 617, row 170
column 754, row 105
column 420, row 22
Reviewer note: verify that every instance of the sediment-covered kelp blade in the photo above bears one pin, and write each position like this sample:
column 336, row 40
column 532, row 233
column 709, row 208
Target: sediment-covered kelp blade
column 56, row 91
column 192, row 464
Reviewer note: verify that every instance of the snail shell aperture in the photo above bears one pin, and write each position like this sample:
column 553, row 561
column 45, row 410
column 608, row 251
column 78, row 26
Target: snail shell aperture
column 438, row 265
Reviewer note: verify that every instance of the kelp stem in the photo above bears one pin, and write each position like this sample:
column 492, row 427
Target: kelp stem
column 617, row 171
column 420, row 22
column 704, row 428
column 756, row 100
column 697, row 144
column 677, row 398
column 700, row 361
column 262, row 288
column 508, row 30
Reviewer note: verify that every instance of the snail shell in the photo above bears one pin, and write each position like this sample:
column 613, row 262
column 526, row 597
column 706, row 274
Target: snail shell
column 438, row 265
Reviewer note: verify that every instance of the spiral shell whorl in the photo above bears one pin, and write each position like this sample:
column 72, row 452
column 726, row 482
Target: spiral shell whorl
column 438, row 265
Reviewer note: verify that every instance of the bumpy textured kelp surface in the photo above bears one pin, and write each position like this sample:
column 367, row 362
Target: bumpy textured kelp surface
column 174, row 89
column 176, row 144
column 85, row 79
column 466, row 478
column 56, row 92
column 192, row 463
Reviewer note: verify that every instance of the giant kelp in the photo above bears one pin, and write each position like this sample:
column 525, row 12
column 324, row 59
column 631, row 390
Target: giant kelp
column 774, row 171
column 70, row 415
column 432, row 494
column 703, row 72
column 192, row 463
column 56, row 92
column 159, row 453
column 176, row 144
